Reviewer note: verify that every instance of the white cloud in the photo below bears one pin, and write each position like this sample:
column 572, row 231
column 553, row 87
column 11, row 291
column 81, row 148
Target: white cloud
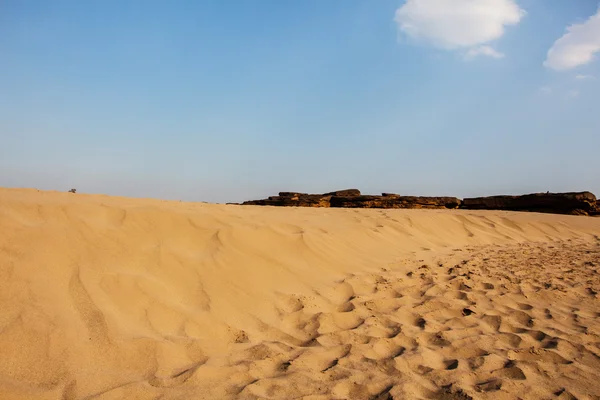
column 483, row 50
column 577, row 46
column 574, row 93
column 458, row 24
column 546, row 89
column 582, row 77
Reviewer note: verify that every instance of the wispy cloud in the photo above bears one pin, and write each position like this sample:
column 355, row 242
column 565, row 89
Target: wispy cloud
column 582, row 77
column 483, row 50
column 458, row 24
column 577, row 46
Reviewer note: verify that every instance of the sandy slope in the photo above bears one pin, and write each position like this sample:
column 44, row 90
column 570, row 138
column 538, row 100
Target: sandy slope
column 108, row 298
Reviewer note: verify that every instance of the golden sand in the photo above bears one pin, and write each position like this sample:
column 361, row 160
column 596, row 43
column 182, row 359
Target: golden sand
column 118, row 298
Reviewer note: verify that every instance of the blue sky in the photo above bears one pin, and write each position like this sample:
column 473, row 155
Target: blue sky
column 231, row 100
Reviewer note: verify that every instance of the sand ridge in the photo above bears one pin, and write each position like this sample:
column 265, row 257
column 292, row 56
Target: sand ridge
column 106, row 297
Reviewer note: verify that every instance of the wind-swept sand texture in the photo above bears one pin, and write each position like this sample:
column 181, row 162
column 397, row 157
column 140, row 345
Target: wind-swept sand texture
column 115, row 298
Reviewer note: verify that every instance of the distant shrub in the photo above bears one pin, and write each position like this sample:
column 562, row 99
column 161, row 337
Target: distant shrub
column 73, row 191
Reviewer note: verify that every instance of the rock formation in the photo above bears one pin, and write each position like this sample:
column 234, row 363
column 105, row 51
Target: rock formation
column 346, row 192
column 292, row 199
column 596, row 212
column 352, row 198
column 581, row 203
column 388, row 200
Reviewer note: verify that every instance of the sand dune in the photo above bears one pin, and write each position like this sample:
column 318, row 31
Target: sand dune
column 110, row 298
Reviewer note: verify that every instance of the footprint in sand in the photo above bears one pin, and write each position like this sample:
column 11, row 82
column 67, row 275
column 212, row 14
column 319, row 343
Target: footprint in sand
column 489, row 386
column 345, row 307
column 511, row 371
column 341, row 293
column 451, row 364
column 522, row 318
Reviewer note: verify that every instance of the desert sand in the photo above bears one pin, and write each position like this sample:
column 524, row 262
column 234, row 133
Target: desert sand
column 118, row 298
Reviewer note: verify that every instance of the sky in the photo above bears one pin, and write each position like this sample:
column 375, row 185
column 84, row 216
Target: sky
column 225, row 101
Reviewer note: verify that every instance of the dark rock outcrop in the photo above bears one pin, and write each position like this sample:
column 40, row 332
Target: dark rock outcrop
column 393, row 201
column 292, row 200
column 296, row 199
column 346, row 193
column 352, row 198
column 291, row 194
column 596, row 211
column 580, row 203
